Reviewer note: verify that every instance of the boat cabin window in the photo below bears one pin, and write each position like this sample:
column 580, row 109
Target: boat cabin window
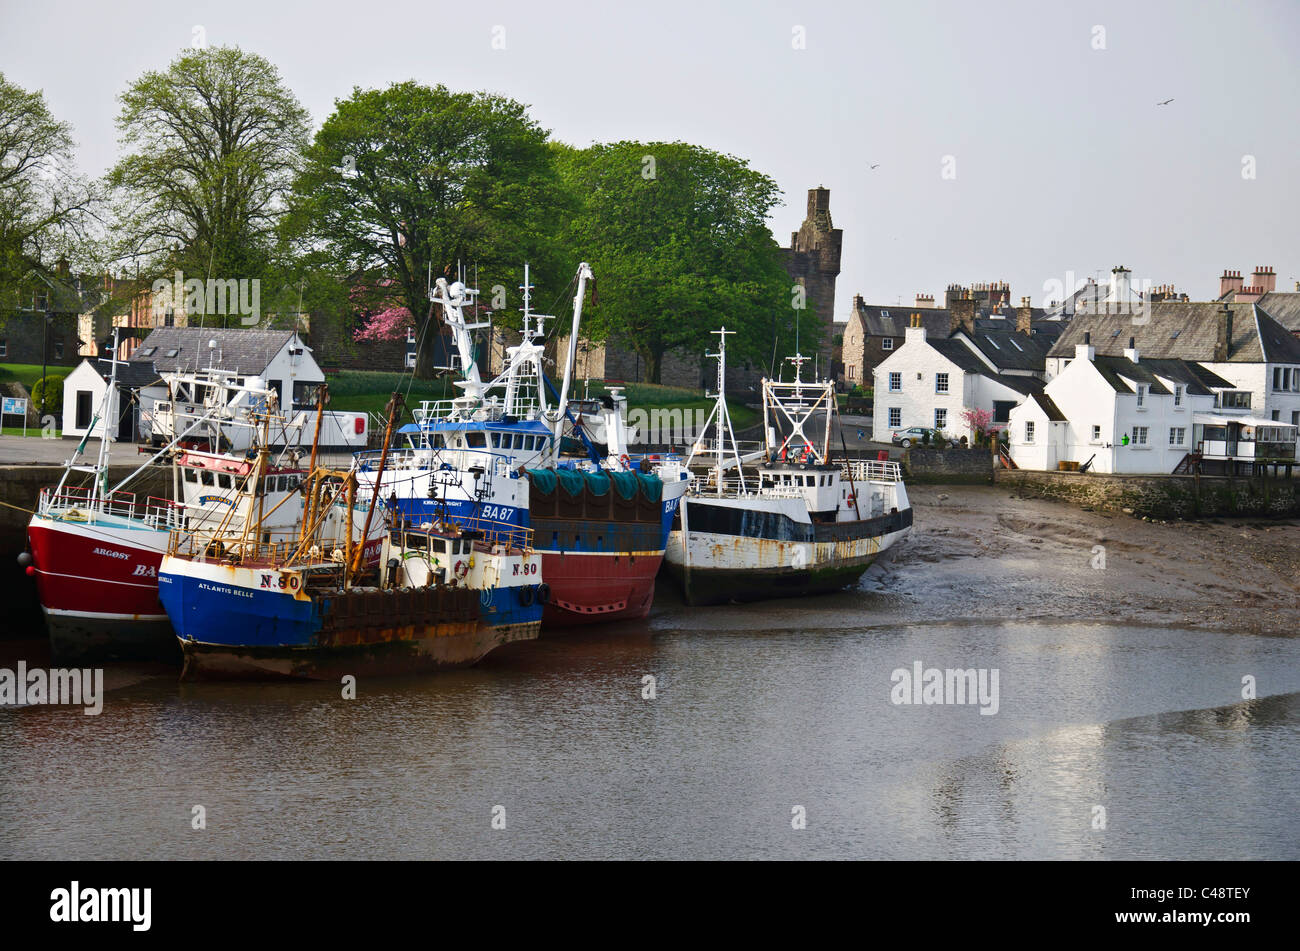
column 191, row 475
column 476, row 440
column 223, row 480
column 206, row 477
column 496, row 440
column 414, row 540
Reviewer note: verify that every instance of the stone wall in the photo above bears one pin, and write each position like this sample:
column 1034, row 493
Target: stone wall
column 948, row 465
column 20, row 487
column 1163, row 496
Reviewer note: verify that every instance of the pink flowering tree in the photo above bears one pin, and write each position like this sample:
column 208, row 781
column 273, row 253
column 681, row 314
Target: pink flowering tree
column 382, row 317
column 980, row 422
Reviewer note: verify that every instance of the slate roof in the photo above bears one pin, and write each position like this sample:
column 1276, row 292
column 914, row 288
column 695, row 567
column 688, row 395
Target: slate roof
column 962, row 355
column 1008, row 350
column 893, row 321
column 1183, row 330
column 1049, row 407
column 132, row 374
column 1284, row 307
column 1198, row 380
column 248, row 351
column 1119, row 370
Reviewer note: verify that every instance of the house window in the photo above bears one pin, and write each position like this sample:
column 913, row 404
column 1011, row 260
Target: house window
column 1235, row 399
column 1141, row 395
column 853, row 372
column 1295, row 418
column 884, row 313
column 895, row 417
column 1276, row 414
column 1029, row 430
column 887, row 343
column 1286, row 378
column 940, row 418
column 1139, row 435
column 895, row 382
column 4, row 347
column 941, row 383
column 1096, row 433
column 1177, row 435
column 169, row 318
column 58, row 350
column 1178, row 395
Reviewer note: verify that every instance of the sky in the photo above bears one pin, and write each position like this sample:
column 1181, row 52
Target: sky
column 1015, row 141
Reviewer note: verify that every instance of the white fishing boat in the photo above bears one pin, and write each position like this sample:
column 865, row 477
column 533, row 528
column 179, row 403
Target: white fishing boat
column 788, row 519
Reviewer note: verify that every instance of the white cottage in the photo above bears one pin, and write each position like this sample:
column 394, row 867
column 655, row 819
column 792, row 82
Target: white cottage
column 83, row 399
column 930, row 383
column 1129, row 414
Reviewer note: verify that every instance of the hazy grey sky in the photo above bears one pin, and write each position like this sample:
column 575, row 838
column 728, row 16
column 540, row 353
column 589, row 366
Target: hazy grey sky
column 1063, row 160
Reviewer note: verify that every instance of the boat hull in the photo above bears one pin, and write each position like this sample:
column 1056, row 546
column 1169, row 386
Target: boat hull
column 236, row 622
column 738, row 554
column 98, row 587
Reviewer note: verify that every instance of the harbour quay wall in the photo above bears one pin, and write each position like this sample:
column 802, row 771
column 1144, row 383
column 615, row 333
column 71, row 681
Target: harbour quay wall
column 948, row 466
column 1161, row 496
column 20, row 489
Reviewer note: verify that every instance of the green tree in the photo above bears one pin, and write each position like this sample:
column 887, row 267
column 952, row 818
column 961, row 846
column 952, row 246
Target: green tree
column 412, row 178
column 677, row 237
column 213, row 144
column 47, row 211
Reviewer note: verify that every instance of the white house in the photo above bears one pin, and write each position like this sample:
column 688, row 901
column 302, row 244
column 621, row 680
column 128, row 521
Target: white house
column 275, row 359
column 83, row 399
column 930, row 382
column 1130, row 414
column 1238, row 342
column 1112, row 414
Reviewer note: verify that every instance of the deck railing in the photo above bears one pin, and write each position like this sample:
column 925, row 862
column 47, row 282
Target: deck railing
column 153, row 511
column 871, row 471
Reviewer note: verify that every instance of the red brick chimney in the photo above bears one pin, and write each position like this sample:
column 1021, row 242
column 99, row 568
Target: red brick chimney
column 1230, row 282
column 1265, row 277
column 1249, row 294
column 924, row 300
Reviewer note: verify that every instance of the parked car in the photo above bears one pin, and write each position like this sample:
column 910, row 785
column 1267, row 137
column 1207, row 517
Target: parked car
column 913, row 436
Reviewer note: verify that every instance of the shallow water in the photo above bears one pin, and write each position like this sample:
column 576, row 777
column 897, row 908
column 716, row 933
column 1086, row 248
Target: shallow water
column 759, row 709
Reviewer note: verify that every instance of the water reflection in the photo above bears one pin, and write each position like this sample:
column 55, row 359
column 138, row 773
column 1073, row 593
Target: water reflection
column 747, row 725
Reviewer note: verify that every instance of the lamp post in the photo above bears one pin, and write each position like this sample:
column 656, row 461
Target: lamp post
column 45, row 349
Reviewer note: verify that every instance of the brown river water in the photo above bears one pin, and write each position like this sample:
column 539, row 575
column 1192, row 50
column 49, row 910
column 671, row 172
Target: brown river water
column 765, row 717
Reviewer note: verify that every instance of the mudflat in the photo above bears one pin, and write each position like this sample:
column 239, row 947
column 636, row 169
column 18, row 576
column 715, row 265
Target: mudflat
column 982, row 552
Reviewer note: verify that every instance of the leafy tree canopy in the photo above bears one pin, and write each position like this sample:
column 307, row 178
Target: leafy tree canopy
column 413, row 178
column 213, row 143
column 677, row 237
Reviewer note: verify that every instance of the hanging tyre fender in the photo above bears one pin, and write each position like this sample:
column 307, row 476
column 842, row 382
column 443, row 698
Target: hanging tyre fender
column 527, row 595
column 544, row 592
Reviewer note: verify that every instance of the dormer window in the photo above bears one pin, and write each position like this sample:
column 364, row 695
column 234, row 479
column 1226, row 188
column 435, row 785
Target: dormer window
column 1141, row 395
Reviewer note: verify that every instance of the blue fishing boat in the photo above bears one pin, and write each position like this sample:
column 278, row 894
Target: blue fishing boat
column 601, row 522
column 308, row 603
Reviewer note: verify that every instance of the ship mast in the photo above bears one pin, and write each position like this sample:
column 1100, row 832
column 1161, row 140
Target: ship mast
column 721, row 417
column 584, row 275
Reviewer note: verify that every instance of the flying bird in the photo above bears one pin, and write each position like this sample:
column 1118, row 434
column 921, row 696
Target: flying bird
column 1165, row 103
column 877, row 165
